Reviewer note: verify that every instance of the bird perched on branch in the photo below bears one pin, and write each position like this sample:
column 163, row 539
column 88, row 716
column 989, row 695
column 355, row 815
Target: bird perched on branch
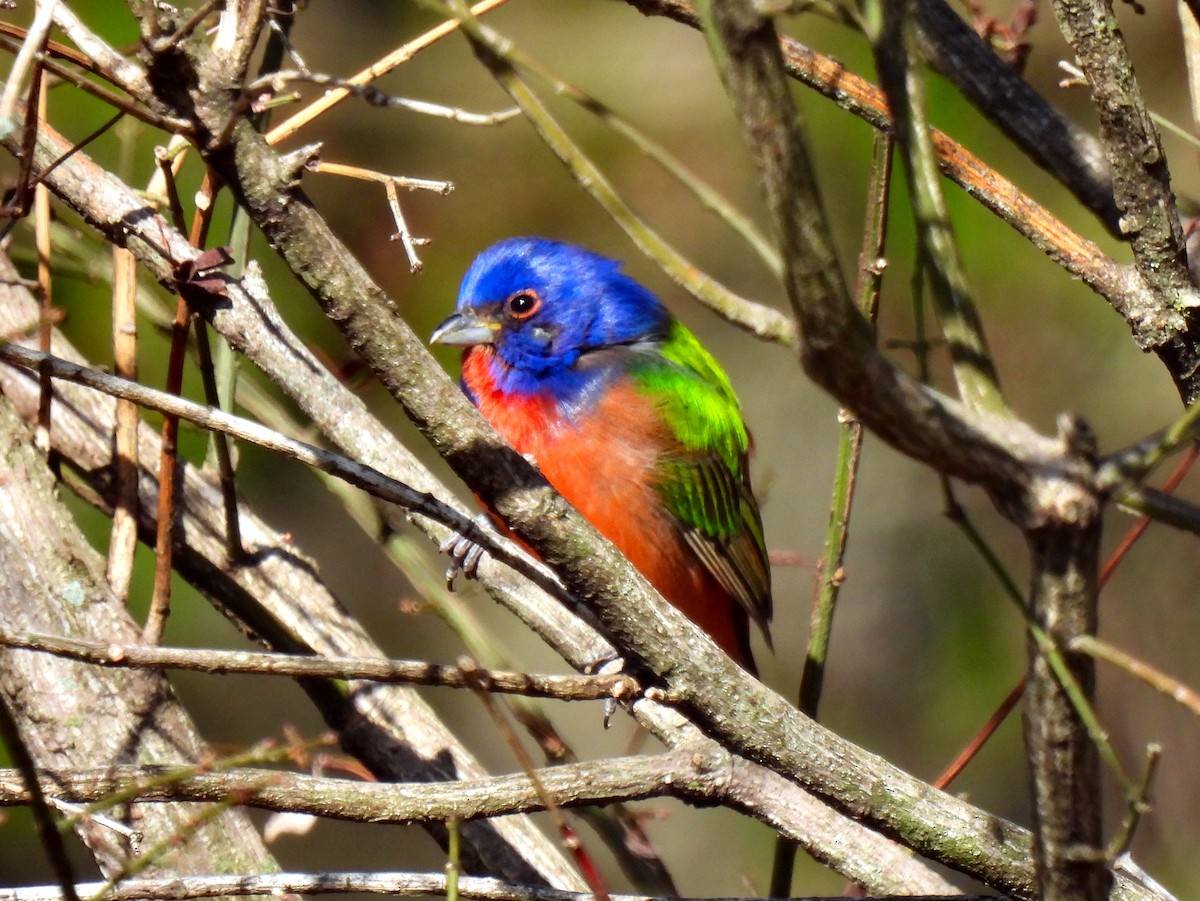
column 582, row 369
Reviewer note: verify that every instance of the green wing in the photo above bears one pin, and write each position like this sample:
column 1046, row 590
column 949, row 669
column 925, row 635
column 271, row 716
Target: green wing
column 705, row 479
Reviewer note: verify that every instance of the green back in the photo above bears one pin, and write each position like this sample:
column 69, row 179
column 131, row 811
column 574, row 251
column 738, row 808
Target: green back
column 704, row 479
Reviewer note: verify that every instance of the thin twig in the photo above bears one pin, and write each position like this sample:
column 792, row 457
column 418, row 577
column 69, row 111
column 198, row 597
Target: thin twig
column 277, row 82
column 1139, row 528
column 1161, row 508
column 412, row 672
column 902, row 78
column 400, row 181
column 225, row 469
column 830, row 574
column 677, row 773
column 122, row 544
column 1138, row 807
column 402, row 233
column 77, row 813
column 453, row 859
column 390, row 185
column 1132, row 465
column 1158, row 680
column 981, row 738
column 160, row 599
column 377, row 69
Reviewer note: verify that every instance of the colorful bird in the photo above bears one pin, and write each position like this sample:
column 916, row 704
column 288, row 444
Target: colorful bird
column 582, row 369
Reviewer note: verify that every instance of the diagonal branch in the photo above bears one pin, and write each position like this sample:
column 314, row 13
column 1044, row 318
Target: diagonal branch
column 838, row 347
column 1141, row 179
column 1154, row 321
column 1045, row 135
column 1141, row 183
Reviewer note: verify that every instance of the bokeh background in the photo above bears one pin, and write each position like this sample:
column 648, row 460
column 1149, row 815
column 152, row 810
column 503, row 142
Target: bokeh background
column 925, row 643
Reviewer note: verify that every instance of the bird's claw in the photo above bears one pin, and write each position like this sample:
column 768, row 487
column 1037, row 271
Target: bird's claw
column 464, row 553
column 613, row 667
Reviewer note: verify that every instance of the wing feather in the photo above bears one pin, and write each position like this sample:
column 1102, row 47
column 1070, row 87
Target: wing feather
column 704, row 476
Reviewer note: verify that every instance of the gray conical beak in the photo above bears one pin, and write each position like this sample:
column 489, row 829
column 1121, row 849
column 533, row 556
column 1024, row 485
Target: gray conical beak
column 465, row 330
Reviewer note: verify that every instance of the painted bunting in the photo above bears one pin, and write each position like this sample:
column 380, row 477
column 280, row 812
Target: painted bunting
column 582, row 369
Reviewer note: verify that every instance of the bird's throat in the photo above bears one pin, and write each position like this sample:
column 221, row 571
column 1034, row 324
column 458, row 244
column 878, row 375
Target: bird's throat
column 520, row 416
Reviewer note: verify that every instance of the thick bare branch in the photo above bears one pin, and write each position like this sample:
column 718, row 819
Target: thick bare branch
column 685, row 774
column 73, row 715
column 1063, row 762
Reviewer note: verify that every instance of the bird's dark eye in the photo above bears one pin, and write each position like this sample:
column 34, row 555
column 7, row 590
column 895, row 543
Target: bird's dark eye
column 523, row 304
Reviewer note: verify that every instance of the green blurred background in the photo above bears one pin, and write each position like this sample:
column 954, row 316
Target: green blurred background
column 925, row 643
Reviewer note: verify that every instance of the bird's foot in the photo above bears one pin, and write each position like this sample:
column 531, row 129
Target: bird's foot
column 465, row 554
column 612, row 668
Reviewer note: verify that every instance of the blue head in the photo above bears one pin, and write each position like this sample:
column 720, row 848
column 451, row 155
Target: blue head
column 545, row 307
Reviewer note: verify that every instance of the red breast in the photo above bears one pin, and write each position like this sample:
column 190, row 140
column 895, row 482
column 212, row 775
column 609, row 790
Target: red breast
column 604, row 463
